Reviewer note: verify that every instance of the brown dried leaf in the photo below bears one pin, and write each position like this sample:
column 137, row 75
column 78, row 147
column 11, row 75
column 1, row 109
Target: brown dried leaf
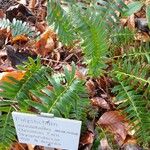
column 111, row 117
column 20, row 39
column 131, row 22
column 1, row 14
column 18, row 146
column 40, row 26
column 132, row 147
column 4, row 34
column 19, row 11
column 78, row 74
column 87, row 138
column 114, row 122
column 91, row 88
column 142, row 36
column 18, row 75
column 32, row 4
column 104, row 145
column 100, row 102
column 104, row 82
column 46, row 44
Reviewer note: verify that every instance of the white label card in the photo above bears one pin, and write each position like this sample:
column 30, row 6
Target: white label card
column 45, row 131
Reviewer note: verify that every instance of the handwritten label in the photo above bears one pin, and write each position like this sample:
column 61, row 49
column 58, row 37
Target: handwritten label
column 45, row 131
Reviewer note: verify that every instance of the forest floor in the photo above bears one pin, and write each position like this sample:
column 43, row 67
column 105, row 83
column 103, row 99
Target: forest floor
column 15, row 50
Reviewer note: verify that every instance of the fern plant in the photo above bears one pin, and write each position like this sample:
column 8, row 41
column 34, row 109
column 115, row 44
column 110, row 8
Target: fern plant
column 17, row 27
column 92, row 25
column 63, row 95
column 66, row 98
column 133, row 93
column 7, row 130
column 14, row 94
column 61, row 21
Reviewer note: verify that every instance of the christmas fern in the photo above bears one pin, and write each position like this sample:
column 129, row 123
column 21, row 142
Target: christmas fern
column 14, row 94
column 61, row 21
column 19, row 90
column 7, row 130
column 67, row 96
column 95, row 27
column 62, row 94
column 92, row 25
column 133, row 95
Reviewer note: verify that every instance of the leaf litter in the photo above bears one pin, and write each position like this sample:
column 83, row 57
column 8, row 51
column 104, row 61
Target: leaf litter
column 15, row 50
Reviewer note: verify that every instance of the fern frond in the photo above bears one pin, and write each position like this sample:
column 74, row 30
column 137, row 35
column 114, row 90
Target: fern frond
column 14, row 94
column 17, row 27
column 140, row 54
column 95, row 27
column 4, row 23
column 135, row 54
column 137, row 74
column 133, row 84
column 109, row 8
column 61, row 21
column 92, row 25
column 94, row 39
column 63, row 98
column 122, row 37
column 19, row 90
column 7, row 130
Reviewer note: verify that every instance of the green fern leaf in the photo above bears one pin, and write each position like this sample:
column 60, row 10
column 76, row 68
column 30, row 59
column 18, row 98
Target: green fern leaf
column 64, row 97
column 14, row 95
column 61, row 21
column 17, row 27
column 7, row 130
column 4, row 23
column 95, row 27
column 133, row 84
column 19, row 90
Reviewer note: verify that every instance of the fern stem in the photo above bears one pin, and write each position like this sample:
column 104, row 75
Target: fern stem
column 132, row 76
column 133, row 54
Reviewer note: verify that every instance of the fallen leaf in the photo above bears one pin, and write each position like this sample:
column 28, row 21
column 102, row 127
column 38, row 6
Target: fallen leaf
column 104, row 145
column 4, row 34
column 142, row 36
column 19, row 11
column 30, row 147
column 40, row 26
column 100, row 102
column 104, row 82
column 18, row 146
column 16, row 57
column 18, row 75
column 20, row 39
column 131, row 22
column 1, row 14
column 114, row 122
column 78, row 74
column 87, row 138
column 132, row 147
column 91, row 88
column 32, row 4
column 46, row 43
